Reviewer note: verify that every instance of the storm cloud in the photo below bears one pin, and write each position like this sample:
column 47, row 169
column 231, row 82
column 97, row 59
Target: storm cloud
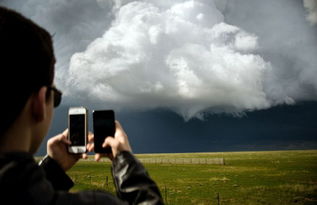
column 193, row 57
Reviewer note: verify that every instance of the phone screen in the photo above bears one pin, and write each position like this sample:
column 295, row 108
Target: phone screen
column 77, row 129
column 104, row 126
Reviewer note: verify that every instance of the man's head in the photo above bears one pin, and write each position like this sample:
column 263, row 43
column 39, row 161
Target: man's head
column 26, row 68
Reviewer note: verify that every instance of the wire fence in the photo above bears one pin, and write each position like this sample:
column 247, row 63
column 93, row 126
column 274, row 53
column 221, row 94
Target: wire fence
column 219, row 161
column 157, row 160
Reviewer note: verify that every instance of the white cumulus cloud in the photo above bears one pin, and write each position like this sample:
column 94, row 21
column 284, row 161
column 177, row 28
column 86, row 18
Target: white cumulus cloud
column 183, row 57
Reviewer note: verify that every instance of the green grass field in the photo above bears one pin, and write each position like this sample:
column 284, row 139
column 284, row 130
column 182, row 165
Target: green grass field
column 270, row 177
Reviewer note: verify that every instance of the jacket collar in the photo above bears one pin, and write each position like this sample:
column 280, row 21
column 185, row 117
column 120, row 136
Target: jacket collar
column 16, row 156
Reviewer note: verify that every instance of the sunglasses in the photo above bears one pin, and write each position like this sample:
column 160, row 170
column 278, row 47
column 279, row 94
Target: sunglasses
column 57, row 95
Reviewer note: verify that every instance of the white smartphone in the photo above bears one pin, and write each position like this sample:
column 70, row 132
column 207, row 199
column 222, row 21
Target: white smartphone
column 77, row 127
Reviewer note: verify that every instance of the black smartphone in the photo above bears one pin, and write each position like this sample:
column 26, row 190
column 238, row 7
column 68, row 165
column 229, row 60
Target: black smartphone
column 104, row 126
column 77, row 126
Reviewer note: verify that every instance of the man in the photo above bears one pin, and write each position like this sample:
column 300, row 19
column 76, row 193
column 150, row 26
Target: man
column 28, row 98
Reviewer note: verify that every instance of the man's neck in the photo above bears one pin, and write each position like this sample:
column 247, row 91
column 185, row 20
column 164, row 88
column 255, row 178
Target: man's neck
column 16, row 139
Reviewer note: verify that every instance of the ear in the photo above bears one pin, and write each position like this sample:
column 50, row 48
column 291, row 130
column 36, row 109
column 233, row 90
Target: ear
column 39, row 104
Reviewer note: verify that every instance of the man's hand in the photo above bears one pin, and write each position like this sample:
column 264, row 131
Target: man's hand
column 117, row 143
column 57, row 150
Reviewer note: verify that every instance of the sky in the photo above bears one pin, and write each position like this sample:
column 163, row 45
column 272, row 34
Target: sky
column 203, row 75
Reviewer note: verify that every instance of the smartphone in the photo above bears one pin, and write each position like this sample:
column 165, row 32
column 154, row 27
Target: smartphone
column 104, row 126
column 77, row 126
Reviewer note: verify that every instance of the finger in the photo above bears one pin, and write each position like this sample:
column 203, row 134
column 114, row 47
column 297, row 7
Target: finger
column 119, row 129
column 110, row 142
column 90, row 147
column 97, row 157
column 120, row 133
column 65, row 133
column 90, row 144
column 84, row 156
column 118, row 125
column 63, row 136
column 90, row 137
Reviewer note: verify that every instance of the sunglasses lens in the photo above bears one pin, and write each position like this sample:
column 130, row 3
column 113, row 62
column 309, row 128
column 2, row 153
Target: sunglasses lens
column 57, row 98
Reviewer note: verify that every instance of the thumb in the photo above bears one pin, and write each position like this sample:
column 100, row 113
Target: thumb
column 113, row 143
column 65, row 133
column 110, row 142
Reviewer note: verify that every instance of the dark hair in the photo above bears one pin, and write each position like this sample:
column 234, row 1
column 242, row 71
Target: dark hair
column 26, row 63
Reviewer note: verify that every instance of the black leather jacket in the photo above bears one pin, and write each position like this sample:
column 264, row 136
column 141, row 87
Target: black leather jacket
column 23, row 181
